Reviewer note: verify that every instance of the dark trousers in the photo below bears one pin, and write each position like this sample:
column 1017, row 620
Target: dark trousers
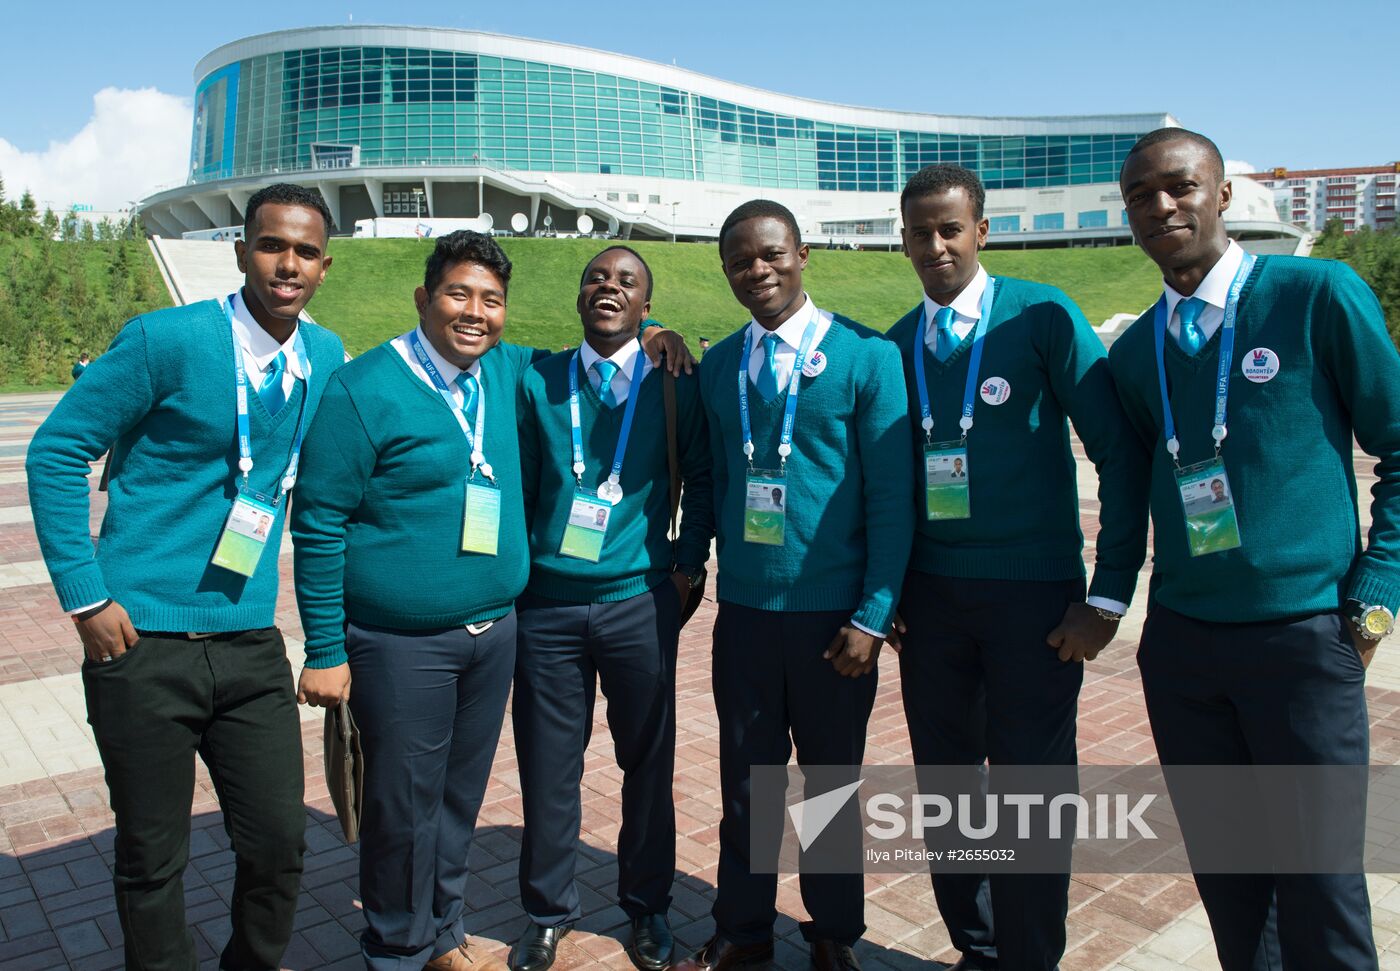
column 773, row 690
column 981, row 683
column 229, row 698
column 1284, row 693
column 565, row 649
column 429, row 706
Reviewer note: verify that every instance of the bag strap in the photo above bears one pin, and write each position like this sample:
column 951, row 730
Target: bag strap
column 668, row 393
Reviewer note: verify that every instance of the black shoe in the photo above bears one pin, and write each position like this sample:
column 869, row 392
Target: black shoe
column 652, row 943
column 534, row 949
column 829, row 955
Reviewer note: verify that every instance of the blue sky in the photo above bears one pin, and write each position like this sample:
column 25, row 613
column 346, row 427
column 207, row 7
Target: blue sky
column 1282, row 83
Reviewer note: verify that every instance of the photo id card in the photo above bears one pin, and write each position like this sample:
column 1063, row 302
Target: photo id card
column 587, row 527
column 946, row 492
column 246, row 532
column 1209, row 506
column 765, row 507
column 481, row 518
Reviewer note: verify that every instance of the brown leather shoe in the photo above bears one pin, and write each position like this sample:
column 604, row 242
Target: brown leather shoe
column 460, row 959
column 723, row 955
column 828, row 955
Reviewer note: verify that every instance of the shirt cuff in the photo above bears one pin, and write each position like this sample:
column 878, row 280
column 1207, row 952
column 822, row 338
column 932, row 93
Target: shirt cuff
column 1115, row 606
column 873, row 633
column 78, row 610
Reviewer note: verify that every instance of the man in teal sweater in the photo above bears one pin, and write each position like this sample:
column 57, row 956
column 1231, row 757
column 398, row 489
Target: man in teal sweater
column 203, row 408
column 1257, row 373
column 814, row 516
column 603, row 604
column 996, row 623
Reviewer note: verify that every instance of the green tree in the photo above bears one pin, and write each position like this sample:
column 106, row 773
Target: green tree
column 48, row 226
column 28, row 216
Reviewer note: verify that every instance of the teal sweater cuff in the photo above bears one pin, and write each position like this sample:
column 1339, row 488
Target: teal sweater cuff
column 332, row 656
column 1368, row 588
column 1113, row 584
column 81, row 587
column 875, row 613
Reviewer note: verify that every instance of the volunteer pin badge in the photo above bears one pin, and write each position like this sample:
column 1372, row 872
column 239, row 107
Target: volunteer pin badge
column 1260, row 365
column 996, row 391
column 814, row 365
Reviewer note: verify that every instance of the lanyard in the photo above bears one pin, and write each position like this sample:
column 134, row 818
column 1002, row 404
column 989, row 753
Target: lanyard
column 475, row 440
column 613, row 491
column 974, row 364
column 794, row 382
column 245, row 436
column 1222, row 374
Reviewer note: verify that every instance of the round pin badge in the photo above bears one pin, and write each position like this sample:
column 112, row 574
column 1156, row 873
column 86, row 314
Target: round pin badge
column 814, row 365
column 1260, row 365
column 610, row 491
column 995, row 391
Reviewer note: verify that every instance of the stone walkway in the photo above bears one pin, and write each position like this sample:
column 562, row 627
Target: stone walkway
column 56, row 907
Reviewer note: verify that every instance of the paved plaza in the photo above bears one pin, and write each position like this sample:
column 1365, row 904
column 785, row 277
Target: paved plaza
column 56, row 908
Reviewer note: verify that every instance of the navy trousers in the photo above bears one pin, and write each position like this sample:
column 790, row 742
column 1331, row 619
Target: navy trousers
column 429, row 706
column 565, row 650
column 773, row 690
column 981, row 683
column 1290, row 692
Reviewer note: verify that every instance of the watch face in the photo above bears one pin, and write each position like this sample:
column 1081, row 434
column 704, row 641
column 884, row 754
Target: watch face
column 1377, row 621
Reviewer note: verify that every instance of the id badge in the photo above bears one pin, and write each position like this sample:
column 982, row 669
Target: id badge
column 481, row 518
column 946, row 482
column 1209, row 506
column 765, row 507
column 246, row 532
column 587, row 527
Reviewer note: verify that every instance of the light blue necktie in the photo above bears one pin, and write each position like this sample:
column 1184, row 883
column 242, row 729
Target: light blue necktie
column 470, row 388
column 767, row 382
column 606, row 370
column 946, row 342
column 1191, row 337
column 270, row 391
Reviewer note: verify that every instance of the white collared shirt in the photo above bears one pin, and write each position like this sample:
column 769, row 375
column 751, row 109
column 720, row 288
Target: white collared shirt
column 449, row 371
column 789, row 340
column 1214, row 290
column 967, row 309
column 259, row 348
column 623, row 358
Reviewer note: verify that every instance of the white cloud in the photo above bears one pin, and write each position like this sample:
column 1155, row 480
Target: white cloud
column 135, row 141
column 1236, row 167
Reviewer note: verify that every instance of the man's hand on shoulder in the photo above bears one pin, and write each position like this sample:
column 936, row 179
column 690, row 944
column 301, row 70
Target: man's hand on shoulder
column 107, row 634
column 324, row 687
column 658, row 340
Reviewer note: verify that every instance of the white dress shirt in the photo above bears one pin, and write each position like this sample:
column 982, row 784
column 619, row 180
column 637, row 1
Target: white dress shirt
column 789, row 341
column 624, row 359
column 967, row 309
column 448, row 370
column 259, row 348
column 1214, row 290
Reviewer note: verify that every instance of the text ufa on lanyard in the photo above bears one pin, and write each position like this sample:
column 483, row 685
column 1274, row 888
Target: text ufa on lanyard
column 1207, row 501
column 765, row 490
column 481, row 509
column 591, row 512
column 253, row 518
column 947, row 478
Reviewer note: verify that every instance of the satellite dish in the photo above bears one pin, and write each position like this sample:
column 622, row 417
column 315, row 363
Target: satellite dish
column 519, row 222
column 485, row 221
column 613, row 225
column 548, row 218
column 585, row 224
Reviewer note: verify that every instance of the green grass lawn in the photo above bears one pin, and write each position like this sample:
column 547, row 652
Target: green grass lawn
column 368, row 294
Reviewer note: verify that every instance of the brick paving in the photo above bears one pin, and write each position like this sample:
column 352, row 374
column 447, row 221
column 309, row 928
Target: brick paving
column 56, row 909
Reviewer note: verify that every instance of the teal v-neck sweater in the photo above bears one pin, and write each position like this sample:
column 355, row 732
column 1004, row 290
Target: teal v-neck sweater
column 636, row 553
column 163, row 399
column 849, row 480
column 1024, row 498
column 378, row 517
column 1288, row 453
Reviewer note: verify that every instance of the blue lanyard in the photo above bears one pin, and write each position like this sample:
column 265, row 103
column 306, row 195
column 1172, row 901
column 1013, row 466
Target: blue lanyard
column 974, row 364
column 794, row 382
column 245, row 436
column 475, row 439
column 577, row 428
column 1222, row 374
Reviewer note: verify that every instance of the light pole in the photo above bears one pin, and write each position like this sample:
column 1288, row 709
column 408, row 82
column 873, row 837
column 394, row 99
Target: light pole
column 417, row 202
column 673, row 220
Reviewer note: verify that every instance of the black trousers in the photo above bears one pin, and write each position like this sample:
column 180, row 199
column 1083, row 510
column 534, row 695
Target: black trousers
column 981, row 683
column 564, row 651
column 229, row 698
column 1289, row 692
column 773, row 690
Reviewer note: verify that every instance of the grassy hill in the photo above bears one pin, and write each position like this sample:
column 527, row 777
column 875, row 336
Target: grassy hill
column 368, row 294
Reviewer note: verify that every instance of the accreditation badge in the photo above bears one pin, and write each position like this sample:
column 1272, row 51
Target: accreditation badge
column 587, row 527
column 946, row 492
column 1209, row 506
column 246, row 532
column 765, row 507
column 481, row 518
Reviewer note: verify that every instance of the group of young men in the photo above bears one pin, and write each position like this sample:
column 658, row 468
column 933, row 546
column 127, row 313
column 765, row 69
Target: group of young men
column 470, row 515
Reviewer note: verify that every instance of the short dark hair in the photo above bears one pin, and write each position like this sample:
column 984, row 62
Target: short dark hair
column 757, row 209
column 1176, row 135
column 466, row 246
column 932, row 179
column 626, row 249
column 286, row 194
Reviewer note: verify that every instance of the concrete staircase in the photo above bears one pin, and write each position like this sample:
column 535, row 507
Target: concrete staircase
column 196, row 270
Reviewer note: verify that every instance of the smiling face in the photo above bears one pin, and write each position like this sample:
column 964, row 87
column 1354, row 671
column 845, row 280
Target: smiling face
column 465, row 314
column 942, row 236
column 283, row 261
column 764, row 265
column 612, row 299
column 1176, row 196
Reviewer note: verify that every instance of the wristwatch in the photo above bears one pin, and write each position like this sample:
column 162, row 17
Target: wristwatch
column 1108, row 615
column 1372, row 620
column 694, row 575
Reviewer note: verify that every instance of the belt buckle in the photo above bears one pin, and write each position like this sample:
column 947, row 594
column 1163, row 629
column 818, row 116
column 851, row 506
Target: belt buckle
column 476, row 630
column 195, row 635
